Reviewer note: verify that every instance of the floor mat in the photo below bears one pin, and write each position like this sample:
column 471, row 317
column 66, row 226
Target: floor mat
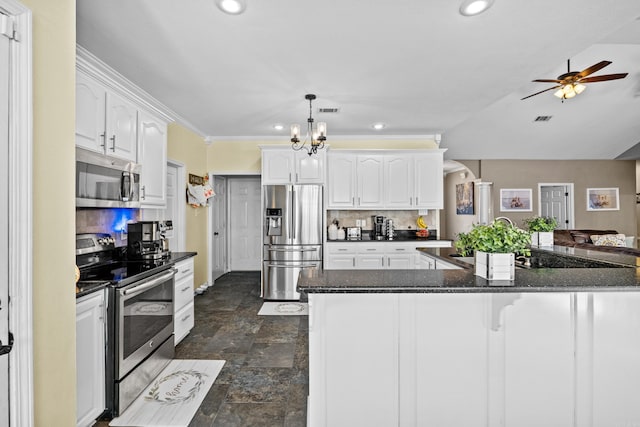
column 272, row 308
column 173, row 398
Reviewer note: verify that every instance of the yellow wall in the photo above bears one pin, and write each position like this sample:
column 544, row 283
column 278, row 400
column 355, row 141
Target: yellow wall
column 53, row 206
column 187, row 147
column 243, row 157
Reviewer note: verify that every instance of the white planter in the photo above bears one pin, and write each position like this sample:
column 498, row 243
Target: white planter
column 495, row 266
column 542, row 238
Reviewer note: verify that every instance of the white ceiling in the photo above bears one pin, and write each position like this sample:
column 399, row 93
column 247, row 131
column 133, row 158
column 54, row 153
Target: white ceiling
column 416, row 65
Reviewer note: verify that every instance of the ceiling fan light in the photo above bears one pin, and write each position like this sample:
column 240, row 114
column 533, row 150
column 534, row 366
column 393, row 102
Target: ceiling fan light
column 559, row 93
column 579, row 88
column 474, row 7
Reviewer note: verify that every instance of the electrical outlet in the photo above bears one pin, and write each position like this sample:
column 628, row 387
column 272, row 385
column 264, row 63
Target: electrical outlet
column 358, row 223
column 363, row 222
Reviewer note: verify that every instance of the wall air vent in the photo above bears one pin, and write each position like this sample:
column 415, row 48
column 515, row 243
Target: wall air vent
column 328, row 110
column 542, row 118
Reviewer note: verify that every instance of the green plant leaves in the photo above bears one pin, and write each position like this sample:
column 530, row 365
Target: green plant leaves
column 497, row 237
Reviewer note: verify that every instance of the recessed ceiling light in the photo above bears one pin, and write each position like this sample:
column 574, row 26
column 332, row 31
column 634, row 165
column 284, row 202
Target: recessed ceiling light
column 232, row 7
column 278, row 126
column 378, row 126
column 474, row 7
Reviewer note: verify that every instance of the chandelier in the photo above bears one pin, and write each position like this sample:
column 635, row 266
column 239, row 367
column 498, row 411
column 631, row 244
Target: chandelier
column 316, row 137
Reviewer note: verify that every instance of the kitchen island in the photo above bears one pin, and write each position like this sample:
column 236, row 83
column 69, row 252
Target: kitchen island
column 554, row 347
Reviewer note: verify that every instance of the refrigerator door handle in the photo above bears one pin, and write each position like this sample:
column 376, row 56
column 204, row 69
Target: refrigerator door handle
column 293, row 250
column 292, row 265
column 293, row 213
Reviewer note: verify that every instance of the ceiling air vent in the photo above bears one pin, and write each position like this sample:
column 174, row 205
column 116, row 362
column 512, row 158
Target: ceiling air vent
column 542, row 118
column 328, row 110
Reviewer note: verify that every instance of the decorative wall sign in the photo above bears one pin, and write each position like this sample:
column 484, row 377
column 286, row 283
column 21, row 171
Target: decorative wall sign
column 464, row 198
column 515, row 200
column 603, row 199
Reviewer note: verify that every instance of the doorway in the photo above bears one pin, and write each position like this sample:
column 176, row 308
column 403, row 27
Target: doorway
column 16, row 145
column 218, row 228
column 245, row 224
column 556, row 200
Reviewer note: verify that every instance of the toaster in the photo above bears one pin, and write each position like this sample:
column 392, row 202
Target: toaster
column 354, row 233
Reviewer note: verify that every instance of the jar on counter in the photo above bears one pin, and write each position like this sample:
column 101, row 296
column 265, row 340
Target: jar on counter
column 341, row 234
column 333, row 232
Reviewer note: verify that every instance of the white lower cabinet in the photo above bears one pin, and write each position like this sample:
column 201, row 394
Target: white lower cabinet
column 90, row 358
column 428, row 262
column 183, row 317
column 474, row 359
column 373, row 256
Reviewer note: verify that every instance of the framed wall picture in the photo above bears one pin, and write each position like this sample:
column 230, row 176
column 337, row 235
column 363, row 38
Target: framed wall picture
column 515, row 200
column 603, row 199
column 464, row 198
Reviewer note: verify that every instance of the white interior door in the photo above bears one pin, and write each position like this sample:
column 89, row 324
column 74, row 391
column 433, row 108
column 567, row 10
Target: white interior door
column 219, row 228
column 555, row 201
column 245, row 224
column 4, row 224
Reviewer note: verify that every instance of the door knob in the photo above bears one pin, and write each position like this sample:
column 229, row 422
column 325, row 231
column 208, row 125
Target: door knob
column 215, row 234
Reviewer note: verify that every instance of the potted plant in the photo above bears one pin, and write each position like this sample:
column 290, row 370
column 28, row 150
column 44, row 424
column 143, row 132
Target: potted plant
column 541, row 228
column 495, row 246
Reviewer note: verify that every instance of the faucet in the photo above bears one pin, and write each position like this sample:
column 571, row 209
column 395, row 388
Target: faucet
column 505, row 219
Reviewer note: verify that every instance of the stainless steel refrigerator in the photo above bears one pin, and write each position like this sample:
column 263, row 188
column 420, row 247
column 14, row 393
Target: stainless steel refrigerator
column 292, row 231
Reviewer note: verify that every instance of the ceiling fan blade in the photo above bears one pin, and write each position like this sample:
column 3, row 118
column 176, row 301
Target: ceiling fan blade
column 542, row 91
column 599, row 66
column 603, row 78
column 547, row 80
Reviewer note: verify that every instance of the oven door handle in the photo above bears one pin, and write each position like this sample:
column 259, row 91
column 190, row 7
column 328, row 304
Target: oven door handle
column 150, row 284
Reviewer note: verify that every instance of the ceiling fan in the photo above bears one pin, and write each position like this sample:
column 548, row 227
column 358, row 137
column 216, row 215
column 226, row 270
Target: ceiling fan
column 571, row 83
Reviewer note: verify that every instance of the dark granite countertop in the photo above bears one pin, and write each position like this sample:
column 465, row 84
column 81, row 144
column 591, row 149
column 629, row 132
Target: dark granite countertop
column 88, row 287
column 464, row 281
column 401, row 236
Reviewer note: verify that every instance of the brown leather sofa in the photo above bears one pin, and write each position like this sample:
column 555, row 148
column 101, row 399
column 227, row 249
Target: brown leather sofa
column 582, row 239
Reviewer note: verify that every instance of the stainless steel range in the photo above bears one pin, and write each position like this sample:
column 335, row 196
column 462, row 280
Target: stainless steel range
column 140, row 315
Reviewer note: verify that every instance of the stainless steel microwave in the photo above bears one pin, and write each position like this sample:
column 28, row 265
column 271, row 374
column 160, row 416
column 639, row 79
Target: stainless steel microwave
column 106, row 182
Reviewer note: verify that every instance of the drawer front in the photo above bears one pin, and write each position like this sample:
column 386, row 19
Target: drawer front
column 183, row 293
column 370, row 249
column 185, row 268
column 183, row 323
column 341, row 248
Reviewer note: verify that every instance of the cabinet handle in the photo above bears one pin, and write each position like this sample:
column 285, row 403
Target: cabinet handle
column 103, row 135
column 358, row 201
column 353, row 261
column 342, row 249
column 289, row 176
column 417, row 203
column 371, row 249
column 186, row 288
column 185, row 271
column 113, row 140
column 353, row 201
column 185, row 317
column 143, row 192
column 296, row 176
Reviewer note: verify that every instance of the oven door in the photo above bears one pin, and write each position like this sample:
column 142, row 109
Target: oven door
column 144, row 319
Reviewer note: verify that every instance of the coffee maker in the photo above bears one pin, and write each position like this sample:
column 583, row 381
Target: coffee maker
column 147, row 241
column 378, row 229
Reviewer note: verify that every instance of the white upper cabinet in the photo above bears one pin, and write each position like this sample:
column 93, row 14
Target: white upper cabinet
column 152, row 155
column 428, row 182
column 370, row 178
column 283, row 165
column 105, row 122
column 90, row 114
column 122, row 119
column 399, row 180
column 390, row 179
column 341, row 168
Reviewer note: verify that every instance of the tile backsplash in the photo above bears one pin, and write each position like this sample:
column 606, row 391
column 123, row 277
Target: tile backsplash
column 112, row 221
column 402, row 219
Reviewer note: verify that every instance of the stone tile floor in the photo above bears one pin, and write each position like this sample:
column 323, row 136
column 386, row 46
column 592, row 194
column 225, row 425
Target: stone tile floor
column 265, row 380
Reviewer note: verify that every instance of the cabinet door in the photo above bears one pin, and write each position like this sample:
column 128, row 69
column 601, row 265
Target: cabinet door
column 277, row 166
column 370, row 181
column 122, row 124
column 400, row 261
column 152, row 146
column 428, row 181
column 309, row 169
column 340, row 262
column 341, row 181
column 370, row 261
column 90, row 358
column 398, row 181
column 426, row 263
column 532, row 334
column 90, row 114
